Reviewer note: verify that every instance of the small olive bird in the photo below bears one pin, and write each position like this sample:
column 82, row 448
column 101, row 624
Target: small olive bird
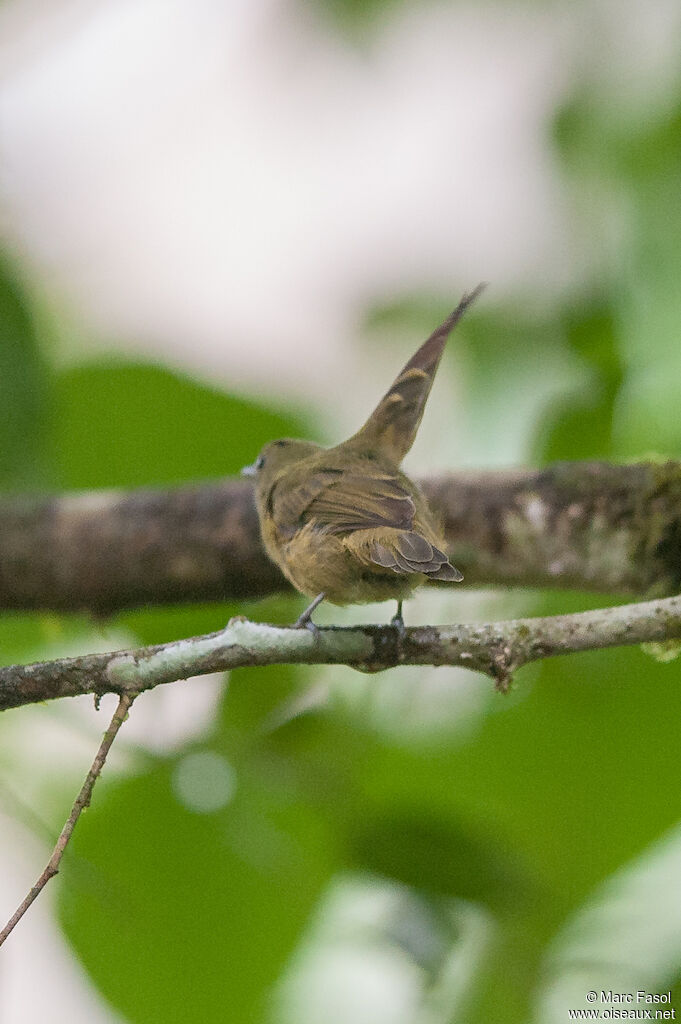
column 345, row 524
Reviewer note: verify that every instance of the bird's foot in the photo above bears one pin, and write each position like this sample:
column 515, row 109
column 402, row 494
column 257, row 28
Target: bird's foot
column 398, row 622
column 304, row 621
column 310, row 626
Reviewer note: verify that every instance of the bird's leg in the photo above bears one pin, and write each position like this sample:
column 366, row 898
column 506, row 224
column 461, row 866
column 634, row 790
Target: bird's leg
column 304, row 621
column 398, row 622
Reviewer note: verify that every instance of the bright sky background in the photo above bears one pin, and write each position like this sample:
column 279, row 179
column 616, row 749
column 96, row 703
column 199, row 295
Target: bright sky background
column 230, row 185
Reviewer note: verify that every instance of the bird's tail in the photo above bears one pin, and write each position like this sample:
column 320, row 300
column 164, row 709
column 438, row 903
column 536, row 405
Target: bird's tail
column 392, row 426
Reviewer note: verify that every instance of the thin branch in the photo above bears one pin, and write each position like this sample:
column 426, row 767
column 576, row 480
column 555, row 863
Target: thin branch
column 496, row 649
column 82, row 801
column 585, row 525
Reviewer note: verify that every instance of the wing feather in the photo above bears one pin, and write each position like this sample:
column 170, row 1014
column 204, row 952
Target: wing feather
column 289, row 505
column 359, row 502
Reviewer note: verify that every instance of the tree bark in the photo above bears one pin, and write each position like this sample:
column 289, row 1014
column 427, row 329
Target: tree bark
column 589, row 525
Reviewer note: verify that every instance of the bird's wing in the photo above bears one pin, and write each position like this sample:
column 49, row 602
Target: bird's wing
column 289, row 504
column 353, row 501
column 378, row 502
column 340, row 502
column 347, row 503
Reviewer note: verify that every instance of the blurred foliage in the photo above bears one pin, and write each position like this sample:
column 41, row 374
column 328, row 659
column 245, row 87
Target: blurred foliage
column 23, row 387
column 132, row 424
column 199, row 912
column 579, row 426
column 522, row 818
column 357, row 17
column 120, row 424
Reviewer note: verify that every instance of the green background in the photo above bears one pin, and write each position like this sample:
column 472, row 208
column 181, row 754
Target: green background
column 512, row 843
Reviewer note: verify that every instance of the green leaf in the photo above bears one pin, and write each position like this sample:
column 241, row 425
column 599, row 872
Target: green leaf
column 185, row 916
column 500, row 350
column 132, row 424
column 439, row 856
column 23, row 389
column 579, row 424
column 128, row 424
column 37, row 636
column 158, row 625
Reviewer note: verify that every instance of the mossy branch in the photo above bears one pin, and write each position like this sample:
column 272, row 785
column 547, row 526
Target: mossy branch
column 583, row 525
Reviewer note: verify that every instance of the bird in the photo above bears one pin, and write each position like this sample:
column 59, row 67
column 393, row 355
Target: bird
column 345, row 524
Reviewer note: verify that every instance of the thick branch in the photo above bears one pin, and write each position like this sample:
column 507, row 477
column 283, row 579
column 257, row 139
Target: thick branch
column 614, row 529
column 496, row 649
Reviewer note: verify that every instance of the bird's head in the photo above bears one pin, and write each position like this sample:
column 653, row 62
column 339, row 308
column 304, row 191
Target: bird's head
column 275, row 458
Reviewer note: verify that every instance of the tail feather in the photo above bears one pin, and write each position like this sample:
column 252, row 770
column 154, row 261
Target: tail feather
column 392, row 426
column 411, row 553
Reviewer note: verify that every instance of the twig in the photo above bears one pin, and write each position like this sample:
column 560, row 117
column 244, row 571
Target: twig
column 82, row 801
column 496, row 649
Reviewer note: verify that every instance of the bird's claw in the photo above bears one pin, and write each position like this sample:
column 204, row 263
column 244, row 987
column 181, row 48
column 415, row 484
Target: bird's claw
column 397, row 622
column 305, row 622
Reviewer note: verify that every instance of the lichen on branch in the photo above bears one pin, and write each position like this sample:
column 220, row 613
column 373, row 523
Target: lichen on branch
column 496, row 649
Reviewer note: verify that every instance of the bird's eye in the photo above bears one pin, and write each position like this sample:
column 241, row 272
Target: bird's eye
column 260, row 462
